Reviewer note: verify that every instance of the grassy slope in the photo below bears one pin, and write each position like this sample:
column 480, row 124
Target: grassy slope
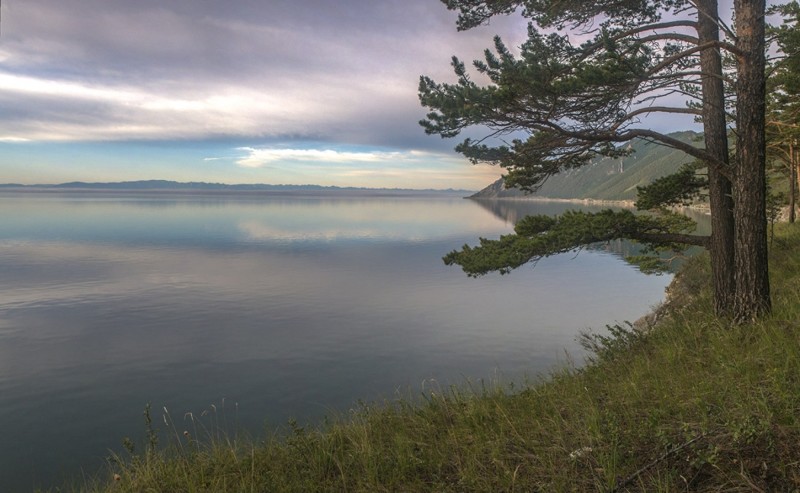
column 695, row 404
column 603, row 179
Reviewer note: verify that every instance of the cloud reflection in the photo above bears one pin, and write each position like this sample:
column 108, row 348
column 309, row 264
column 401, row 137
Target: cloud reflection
column 109, row 304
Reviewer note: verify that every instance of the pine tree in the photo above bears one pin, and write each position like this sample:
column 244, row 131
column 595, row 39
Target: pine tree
column 562, row 104
column 783, row 101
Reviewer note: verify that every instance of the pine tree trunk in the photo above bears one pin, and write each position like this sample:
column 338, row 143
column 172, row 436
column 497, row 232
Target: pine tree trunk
column 796, row 169
column 752, row 297
column 792, row 182
column 716, row 141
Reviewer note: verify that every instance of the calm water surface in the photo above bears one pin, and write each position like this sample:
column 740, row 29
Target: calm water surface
column 263, row 308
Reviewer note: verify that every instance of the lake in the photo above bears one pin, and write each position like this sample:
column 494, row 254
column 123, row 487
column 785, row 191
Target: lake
column 261, row 308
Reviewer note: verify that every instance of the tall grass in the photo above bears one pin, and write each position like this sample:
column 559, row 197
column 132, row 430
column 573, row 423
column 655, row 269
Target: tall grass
column 695, row 403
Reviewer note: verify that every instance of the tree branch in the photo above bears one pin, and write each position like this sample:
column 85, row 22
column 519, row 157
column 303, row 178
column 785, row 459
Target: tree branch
column 691, row 51
column 662, row 109
column 684, row 239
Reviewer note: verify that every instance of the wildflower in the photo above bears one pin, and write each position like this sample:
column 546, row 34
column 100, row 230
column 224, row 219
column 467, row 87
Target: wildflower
column 577, row 454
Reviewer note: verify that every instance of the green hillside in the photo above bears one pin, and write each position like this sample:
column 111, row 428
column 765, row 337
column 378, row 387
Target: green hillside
column 606, row 178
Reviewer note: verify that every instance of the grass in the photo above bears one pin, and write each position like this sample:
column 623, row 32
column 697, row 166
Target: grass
column 694, row 404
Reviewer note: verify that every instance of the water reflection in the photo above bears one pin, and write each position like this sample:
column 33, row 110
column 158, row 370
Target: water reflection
column 185, row 219
column 283, row 307
column 512, row 211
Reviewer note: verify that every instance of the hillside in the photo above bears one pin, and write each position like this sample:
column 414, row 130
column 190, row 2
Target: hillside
column 606, row 178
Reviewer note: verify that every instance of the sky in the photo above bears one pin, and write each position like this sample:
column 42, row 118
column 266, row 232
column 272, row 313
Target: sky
column 235, row 91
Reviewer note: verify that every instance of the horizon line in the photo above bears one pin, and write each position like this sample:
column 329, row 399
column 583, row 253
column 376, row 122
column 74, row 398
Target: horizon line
column 202, row 185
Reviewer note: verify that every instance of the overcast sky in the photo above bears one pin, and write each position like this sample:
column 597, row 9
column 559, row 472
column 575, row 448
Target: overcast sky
column 235, row 91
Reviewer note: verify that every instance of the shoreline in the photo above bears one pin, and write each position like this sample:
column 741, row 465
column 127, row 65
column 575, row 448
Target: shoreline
column 575, row 430
column 702, row 208
column 623, row 203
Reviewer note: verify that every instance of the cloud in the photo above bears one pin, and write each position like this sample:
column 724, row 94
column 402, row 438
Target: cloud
column 117, row 70
column 70, row 111
column 257, row 158
column 367, row 167
column 272, row 76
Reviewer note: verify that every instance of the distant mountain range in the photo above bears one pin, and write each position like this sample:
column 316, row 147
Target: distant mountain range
column 166, row 185
column 603, row 179
column 606, row 178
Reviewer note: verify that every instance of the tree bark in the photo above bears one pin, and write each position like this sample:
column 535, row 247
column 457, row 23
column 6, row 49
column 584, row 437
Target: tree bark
column 792, row 181
column 752, row 296
column 796, row 165
column 716, row 140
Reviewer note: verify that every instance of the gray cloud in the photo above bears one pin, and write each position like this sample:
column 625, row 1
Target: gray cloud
column 339, row 71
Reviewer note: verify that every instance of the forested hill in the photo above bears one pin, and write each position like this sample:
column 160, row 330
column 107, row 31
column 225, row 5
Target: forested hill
column 606, row 178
